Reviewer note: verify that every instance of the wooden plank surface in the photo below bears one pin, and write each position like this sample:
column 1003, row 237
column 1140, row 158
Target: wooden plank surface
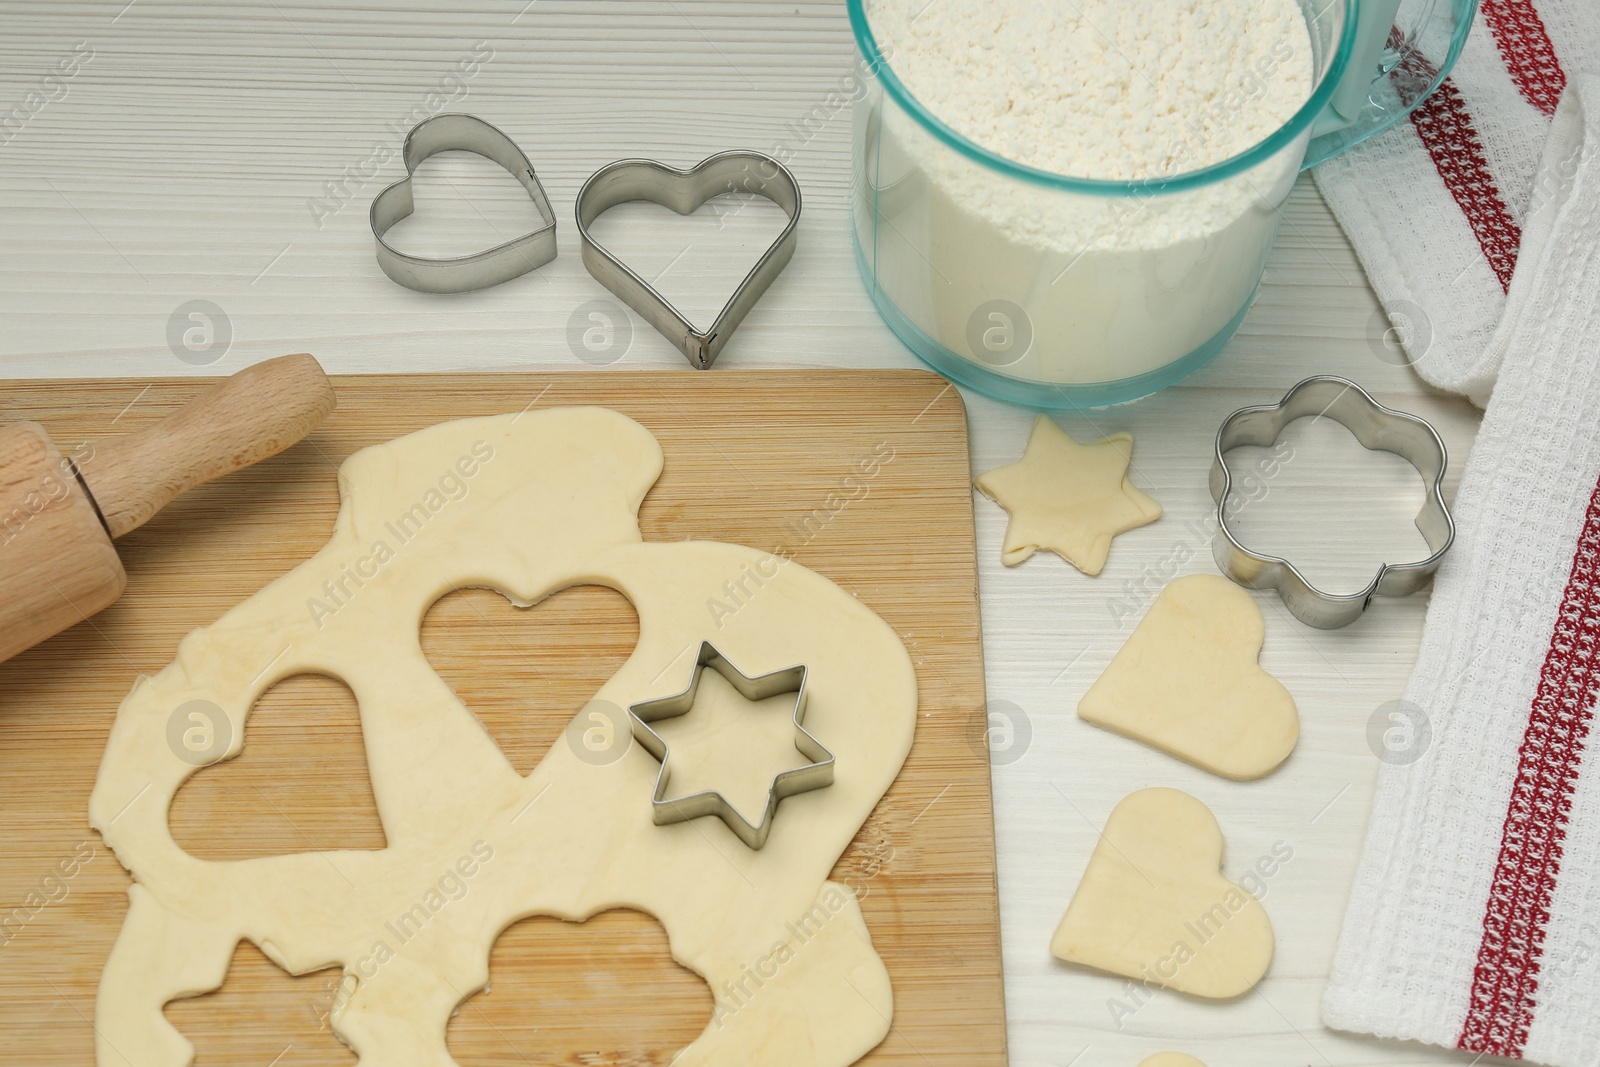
column 746, row 456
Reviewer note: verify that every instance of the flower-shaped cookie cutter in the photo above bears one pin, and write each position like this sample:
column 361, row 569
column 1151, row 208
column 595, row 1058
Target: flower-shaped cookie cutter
column 813, row 775
column 1376, row 427
column 460, row 274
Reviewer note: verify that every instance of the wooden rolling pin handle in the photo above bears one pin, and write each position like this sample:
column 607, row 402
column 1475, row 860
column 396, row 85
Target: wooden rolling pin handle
column 258, row 412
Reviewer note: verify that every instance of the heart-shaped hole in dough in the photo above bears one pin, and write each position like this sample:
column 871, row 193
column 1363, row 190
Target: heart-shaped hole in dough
column 300, row 784
column 524, row 672
column 1187, row 682
column 602, row 991
column 1153, row 905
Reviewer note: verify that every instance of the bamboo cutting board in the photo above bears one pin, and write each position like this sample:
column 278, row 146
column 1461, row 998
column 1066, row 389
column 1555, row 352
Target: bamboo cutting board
column 753, row 458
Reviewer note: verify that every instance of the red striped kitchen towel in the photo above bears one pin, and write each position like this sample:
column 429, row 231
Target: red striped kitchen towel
column 1474, row 920
column 1436, row 206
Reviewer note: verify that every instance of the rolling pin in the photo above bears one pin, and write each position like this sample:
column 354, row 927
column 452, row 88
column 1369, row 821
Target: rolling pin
column 59, row 514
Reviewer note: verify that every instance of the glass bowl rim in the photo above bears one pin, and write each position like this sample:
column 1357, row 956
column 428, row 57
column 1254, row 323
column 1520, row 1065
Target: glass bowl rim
column 877, row 64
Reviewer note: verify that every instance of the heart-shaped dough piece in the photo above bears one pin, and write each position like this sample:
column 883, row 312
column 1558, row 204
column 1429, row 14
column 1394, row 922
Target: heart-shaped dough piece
column 1154, row 906
column 1187, row 682
column 1171, row 1059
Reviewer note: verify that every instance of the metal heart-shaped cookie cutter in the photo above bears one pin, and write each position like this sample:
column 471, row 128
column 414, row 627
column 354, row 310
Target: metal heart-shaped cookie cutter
column 802, row 779
column 1376, row 427
column 461, row 274
column 684, row 191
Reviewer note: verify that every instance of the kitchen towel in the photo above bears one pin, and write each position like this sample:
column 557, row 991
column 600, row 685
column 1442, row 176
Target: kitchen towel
column 1474, row 920
column 1437, row 206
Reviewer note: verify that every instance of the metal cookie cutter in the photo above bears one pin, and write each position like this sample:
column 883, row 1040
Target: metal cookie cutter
column 460, row 274
column 1376, row 427
column 684, row 191
column 814, row 775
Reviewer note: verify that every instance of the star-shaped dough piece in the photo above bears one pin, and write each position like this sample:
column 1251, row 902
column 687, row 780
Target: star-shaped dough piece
column 1069, row 498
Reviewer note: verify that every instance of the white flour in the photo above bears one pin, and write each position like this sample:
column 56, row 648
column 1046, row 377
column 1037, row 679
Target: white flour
column 1110, row 286
column 1122, row 89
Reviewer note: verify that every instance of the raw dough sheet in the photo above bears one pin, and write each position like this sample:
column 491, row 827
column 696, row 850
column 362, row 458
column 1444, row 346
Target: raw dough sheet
column 528, row 505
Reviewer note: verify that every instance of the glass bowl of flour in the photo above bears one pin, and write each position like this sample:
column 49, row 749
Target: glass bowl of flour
column 1069, row 203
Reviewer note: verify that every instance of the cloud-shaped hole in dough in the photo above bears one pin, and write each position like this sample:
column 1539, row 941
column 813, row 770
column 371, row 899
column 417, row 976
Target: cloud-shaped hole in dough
column 606, row 986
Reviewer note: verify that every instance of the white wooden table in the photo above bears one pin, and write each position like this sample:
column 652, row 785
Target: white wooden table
column 227, row 153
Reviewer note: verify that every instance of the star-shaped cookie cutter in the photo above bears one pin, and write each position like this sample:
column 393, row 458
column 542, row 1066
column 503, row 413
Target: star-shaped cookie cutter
column 814, row 775
column 1376, row 427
